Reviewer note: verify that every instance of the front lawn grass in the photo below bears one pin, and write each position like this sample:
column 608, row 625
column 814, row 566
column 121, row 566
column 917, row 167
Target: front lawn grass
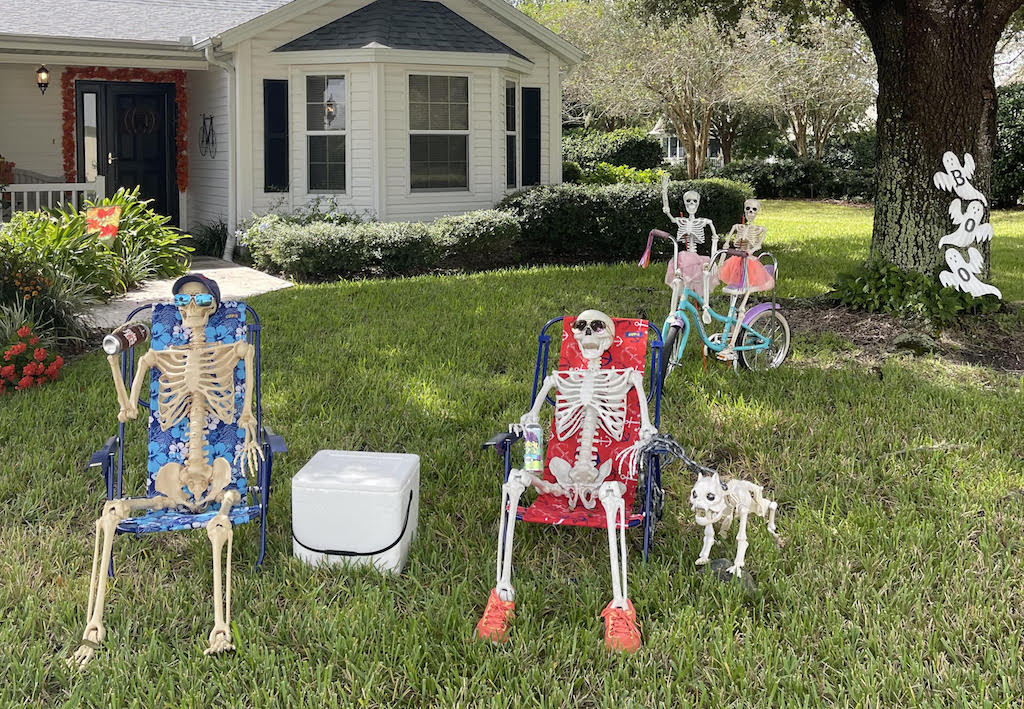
column 899, row 486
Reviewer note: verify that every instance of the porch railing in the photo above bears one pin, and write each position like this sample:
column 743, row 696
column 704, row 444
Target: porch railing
column 33, row 197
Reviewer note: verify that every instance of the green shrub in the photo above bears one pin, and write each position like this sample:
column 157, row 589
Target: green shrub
column 627, row 146
column 571, row 172
column 209, row 239
column 800, row 178
column 1007, row 177
column 607, row 174
column 879, row 286
column 579, row 223
column 477, row 240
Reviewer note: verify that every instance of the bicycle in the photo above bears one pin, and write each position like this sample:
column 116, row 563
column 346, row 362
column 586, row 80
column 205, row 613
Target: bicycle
column 758, row 339
column 208, row 138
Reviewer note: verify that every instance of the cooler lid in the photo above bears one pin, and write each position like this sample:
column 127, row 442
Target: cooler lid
column 358, row 470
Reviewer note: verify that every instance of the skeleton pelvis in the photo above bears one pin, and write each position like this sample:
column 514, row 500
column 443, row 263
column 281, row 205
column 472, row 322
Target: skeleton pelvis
column 579, row 482
column 204, row 482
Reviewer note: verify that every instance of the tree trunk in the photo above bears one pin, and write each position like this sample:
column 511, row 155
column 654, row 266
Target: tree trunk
column 936, row 93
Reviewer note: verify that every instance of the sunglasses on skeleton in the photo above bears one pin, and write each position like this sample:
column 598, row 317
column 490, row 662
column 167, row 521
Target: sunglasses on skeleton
column 201, row 299
column 595, row 325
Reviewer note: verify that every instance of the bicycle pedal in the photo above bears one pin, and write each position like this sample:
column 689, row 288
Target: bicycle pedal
column 727, row 356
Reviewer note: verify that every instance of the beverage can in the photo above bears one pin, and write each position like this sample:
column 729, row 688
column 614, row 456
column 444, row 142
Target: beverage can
column 125, row 337
column 533, row 453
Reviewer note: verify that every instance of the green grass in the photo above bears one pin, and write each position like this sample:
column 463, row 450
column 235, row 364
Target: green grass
column 899, row 490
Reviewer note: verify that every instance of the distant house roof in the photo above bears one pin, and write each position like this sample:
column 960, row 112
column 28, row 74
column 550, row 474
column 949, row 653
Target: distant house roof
column 139, row 20
column 401, row 24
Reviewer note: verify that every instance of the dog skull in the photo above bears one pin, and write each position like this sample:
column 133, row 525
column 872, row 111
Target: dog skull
column 707, row 499
column 194, row 315
column 750, row 209
column 594, row 333
column 692, row 200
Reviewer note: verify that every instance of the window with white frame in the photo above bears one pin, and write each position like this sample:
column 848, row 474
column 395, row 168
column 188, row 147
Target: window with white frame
column 325, row 132
column 438, row 132
column 511, row 123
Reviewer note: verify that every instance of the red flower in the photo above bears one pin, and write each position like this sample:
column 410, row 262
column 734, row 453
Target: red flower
column 16, row 349
column 7, row 372
column 34, row 341
column 39, row 354
column 58, row 363
column 32, row 369
column 24, row 331
column 25, row 383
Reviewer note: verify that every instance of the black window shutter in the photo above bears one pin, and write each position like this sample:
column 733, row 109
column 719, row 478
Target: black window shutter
column 275, row 135
column 531, row 136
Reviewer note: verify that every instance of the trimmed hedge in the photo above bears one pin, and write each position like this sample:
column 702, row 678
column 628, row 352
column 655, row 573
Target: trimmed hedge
column 607, row 174
column 800, row 178
column 627, row 146
column 326, row 250
column 579, row 223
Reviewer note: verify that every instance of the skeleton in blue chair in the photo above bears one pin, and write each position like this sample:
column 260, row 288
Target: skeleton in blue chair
column 196, row 382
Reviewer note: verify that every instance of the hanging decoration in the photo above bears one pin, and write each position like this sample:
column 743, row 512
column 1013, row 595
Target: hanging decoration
column 963, row 272
column 173, row 76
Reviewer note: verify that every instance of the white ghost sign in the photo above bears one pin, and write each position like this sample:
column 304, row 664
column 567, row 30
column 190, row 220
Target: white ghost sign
column 963, row 272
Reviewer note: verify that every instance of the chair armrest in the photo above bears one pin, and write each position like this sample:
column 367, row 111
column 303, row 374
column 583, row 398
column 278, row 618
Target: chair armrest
column 276, row 442
column 101, row 456
column 501, row 441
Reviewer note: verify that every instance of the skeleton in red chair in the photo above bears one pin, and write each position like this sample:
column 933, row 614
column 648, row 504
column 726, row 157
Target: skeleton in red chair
column 196, row 381
column 591, row 402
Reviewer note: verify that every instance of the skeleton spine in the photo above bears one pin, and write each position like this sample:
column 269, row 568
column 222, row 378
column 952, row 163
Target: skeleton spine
column 585, row 453
column 197, row 412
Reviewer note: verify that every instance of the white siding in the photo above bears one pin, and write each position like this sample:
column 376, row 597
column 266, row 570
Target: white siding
column 30, row 122
column 378, row 103
column 207, row 92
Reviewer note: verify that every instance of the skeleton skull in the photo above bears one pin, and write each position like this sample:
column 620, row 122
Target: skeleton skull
column 707, row 499
column 692, row 200
column 194, row 315
column 750, row 209
column 594, row 333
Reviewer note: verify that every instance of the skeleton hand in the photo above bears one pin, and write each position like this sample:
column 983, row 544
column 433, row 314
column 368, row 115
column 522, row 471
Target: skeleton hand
column 251, row 452
column 126, row 414
column 646, row 431
column 529, row 418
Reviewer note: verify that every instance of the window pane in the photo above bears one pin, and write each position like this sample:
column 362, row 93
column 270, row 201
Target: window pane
column 510, row 161
column 438, row 89
column 510, row 106
column 459, row 116
column 439, row 116
column 316, row 87
column 445, row 166
column 419, row 116
column 418, row 91
column 459, row 88
column 326, row 163
column 89, row 135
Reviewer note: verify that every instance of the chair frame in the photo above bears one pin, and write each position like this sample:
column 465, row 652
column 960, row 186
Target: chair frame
column 502, row 442
column 110, row 458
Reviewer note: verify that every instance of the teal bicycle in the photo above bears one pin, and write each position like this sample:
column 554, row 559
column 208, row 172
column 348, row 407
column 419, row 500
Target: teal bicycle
column 758, row 338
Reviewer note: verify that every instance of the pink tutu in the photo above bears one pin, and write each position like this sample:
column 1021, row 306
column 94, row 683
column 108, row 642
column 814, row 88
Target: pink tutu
column 691, row 268
column 758, row 277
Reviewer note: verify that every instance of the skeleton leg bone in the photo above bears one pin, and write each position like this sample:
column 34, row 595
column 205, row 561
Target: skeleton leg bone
column 114, row 512
column 709, row 540
column 511, row 492
column 220, row 532
column 772, row 506
column 741, row 546
column 621, row 632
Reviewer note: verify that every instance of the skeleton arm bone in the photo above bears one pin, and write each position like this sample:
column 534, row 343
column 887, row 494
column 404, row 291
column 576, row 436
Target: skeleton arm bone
column 122, row 394
column 131, row 411
column 531, row 416
column 250, row 448
column 646, row 429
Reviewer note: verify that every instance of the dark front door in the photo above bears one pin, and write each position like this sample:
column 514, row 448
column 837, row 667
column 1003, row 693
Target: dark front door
column 134, row 128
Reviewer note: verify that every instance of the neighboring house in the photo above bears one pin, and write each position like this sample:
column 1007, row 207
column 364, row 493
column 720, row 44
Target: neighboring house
column 672, row 149
column 399, row 109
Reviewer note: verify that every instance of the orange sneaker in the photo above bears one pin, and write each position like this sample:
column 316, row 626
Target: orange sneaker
column 621, row 632
column 494, row 626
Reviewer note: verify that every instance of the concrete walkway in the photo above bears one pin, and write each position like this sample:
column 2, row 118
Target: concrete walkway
column 236, row 283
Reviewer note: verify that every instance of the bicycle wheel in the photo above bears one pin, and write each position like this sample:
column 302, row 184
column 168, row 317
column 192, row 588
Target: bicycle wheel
column 202, row 140
column 668, row 352
column 212, row 143
column 773, row 325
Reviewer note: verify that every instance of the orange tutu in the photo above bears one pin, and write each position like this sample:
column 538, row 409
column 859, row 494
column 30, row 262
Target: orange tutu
column 758, row 277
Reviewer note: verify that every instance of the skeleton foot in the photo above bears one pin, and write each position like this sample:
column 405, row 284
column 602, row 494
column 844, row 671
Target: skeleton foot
column 701, row 560
column 220, row 640
column 736, row 570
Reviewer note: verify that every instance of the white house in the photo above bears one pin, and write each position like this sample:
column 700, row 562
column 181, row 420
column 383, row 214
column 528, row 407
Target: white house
column 672, row 150
column 399, row 109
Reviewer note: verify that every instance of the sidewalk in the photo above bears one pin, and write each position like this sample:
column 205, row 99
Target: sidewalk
column 236, row 283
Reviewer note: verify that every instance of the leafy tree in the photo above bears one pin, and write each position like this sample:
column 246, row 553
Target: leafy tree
column 1007, row 176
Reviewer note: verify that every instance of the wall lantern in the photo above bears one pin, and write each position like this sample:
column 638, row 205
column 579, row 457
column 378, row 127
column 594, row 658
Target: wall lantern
column 330, row 110
column 42, row 78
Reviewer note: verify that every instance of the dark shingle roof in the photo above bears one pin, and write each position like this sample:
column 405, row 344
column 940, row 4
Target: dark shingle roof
column 401, row 24
column 144, row 20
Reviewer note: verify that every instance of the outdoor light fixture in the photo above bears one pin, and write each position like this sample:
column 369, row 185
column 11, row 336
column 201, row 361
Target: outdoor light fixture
column 330, row 110
column 42, row 78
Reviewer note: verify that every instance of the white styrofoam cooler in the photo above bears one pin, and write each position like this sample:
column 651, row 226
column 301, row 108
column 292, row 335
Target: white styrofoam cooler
column 354, row 507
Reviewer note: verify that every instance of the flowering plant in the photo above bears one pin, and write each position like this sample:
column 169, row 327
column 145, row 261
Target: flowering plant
column 27, row 363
